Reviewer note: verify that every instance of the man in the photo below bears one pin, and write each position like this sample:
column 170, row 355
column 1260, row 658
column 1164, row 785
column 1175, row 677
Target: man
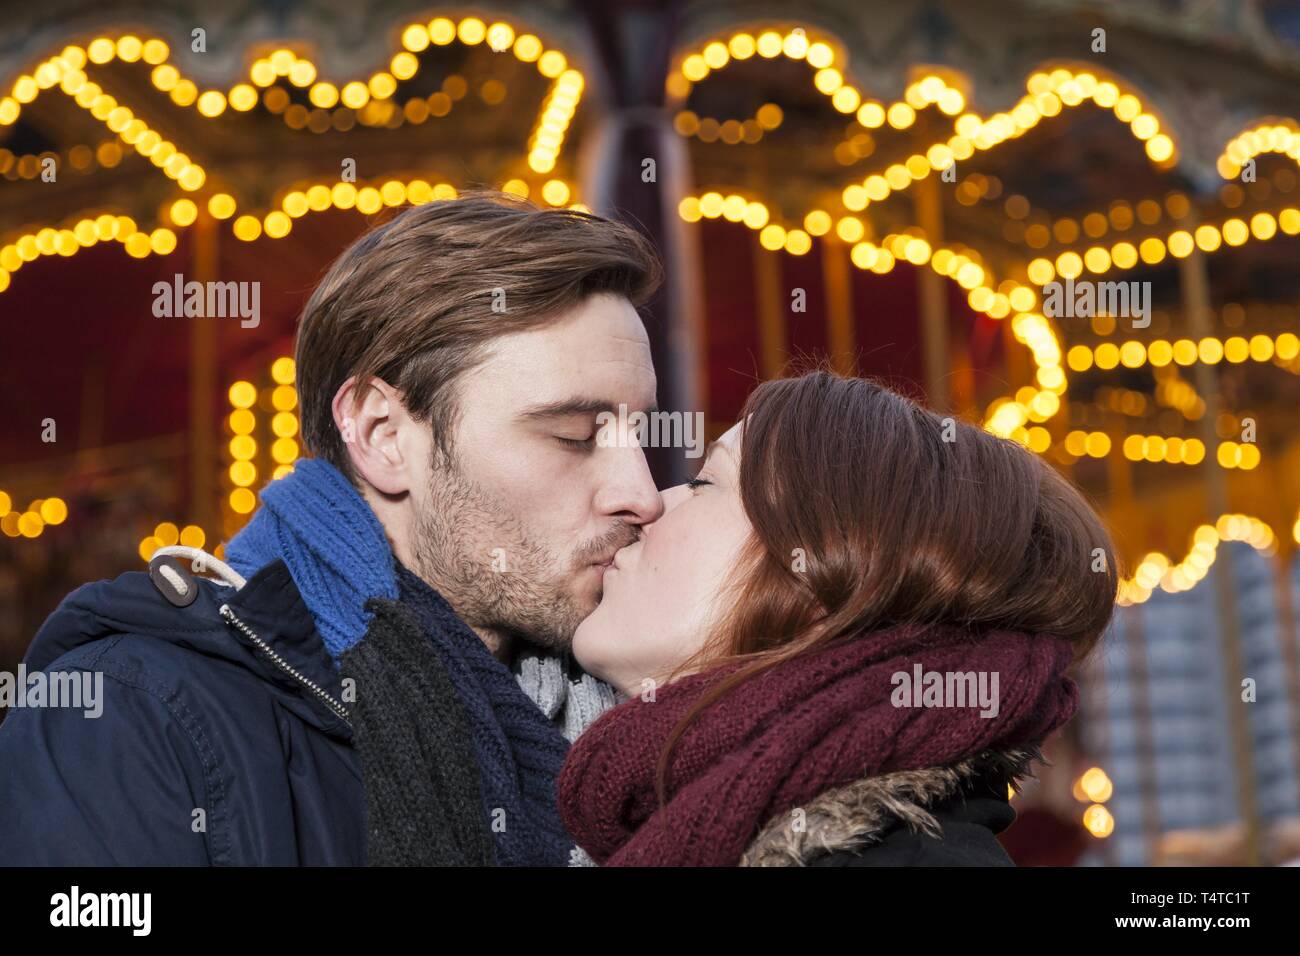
column 383, row 675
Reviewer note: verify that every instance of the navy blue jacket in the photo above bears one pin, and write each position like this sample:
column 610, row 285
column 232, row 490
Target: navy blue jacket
column 196, row 717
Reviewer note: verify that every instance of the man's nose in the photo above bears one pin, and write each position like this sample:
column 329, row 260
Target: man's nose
column 631, row 494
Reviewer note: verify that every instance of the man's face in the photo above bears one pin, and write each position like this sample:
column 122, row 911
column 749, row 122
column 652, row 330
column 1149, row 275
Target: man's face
column 518, row 528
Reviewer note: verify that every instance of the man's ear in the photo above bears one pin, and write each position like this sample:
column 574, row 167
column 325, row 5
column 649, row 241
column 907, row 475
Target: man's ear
column 374, row 425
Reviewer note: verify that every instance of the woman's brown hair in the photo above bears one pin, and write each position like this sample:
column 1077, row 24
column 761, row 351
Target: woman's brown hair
column 870, row 511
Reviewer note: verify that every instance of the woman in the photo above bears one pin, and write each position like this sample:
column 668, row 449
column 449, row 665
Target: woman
column 843, row 641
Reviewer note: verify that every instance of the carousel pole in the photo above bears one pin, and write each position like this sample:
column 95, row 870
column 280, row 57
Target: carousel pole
column 839, row 306
column 770, row 299
column 637, row 169
column 934, row 299
column 203, row 383
column 1195, row 287
column 1119, row 470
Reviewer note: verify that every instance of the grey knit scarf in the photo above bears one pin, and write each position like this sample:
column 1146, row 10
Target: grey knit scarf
column 571, row 698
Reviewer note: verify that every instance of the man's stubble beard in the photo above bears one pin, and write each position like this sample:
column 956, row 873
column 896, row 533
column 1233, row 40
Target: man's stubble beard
column 461, row 542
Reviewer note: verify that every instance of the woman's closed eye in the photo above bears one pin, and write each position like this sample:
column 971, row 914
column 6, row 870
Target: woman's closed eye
column 693, row 483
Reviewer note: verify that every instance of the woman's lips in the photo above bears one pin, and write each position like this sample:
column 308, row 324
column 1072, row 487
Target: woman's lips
column 612, row 563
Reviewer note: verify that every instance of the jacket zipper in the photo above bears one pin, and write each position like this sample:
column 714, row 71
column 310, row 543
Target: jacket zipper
column 229, row 617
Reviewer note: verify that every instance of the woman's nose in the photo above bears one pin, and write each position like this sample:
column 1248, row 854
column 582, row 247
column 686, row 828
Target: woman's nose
column 674, row 496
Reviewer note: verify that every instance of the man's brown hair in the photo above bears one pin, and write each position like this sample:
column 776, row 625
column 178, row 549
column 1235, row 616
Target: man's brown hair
column 412, row 301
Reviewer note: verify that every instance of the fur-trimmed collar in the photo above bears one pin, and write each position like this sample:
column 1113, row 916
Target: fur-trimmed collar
column 858, row 814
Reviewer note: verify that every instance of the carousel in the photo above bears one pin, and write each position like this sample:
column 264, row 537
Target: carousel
column 1075, row 223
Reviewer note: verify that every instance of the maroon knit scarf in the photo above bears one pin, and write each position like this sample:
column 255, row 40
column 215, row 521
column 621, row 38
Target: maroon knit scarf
column 816, row 722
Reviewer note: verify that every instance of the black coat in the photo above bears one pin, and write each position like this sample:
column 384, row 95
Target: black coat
column 934, row 816
column 970, row 820
column 205, row 753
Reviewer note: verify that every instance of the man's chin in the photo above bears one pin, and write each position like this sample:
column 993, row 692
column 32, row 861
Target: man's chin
column 589, row 587
column 558, row 634
column 585, row 604
column 560, row 613
column 584, row 601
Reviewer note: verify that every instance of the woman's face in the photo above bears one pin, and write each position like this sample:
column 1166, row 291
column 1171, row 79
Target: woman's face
column 664, row 593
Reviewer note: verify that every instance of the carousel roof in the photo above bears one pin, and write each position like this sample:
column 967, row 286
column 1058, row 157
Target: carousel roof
column 1000, row 146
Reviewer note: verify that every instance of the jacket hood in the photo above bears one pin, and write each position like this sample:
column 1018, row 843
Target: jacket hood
column 859, row 814
column 268, row 603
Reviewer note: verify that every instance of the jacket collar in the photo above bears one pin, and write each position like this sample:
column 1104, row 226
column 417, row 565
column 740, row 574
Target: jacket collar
column 269, row 603
column 271, row 607
column 859, row 814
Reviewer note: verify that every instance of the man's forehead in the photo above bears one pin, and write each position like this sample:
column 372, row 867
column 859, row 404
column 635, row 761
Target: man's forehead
column 539, row 387
column 603, row 346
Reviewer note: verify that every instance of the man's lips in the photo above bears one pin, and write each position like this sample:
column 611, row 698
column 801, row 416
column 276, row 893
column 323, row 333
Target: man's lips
column 614, row 560
column 602, row 568
column 610, row 560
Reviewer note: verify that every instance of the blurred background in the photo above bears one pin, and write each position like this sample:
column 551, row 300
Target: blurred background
column 885, row 186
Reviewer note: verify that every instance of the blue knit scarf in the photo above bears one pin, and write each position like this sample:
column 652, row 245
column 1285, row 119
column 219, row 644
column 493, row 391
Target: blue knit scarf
column 520, row 752
column 315, row 521
column 339, row 557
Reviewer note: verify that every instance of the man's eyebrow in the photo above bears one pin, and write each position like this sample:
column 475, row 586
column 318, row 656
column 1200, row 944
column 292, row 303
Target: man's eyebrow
column 574, row 406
